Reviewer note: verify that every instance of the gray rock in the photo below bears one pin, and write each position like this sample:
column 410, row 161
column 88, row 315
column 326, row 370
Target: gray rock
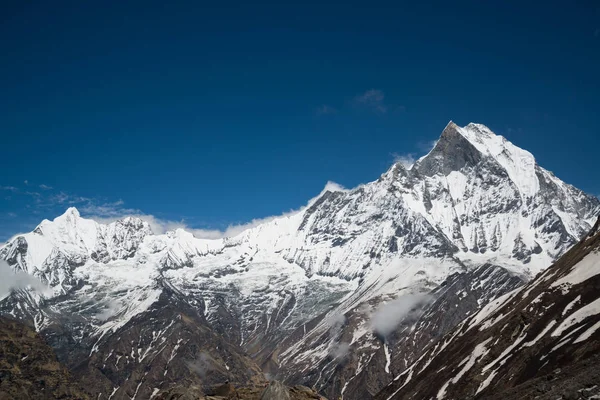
column 275, row 391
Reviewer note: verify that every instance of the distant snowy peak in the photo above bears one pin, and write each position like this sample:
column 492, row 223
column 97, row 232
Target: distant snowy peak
column 55, row 248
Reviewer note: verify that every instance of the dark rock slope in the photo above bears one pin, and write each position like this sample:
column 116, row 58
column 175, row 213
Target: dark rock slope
column 29, row 368
column 169, row 345
column 360, row 374
column 541, row 341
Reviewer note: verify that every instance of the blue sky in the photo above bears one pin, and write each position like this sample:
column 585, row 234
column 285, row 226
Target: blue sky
column 218, row 115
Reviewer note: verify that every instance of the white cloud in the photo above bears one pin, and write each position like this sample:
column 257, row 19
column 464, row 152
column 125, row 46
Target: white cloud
column 339, row 350
column 110, row 212
column 59, row 198
column 45, row 187
column 109, row 309
column 158, row 225
column 388, row 316
column 373, row 99
column 333, row 187
column 106, row 212
column 15, row 280
column 406, row 160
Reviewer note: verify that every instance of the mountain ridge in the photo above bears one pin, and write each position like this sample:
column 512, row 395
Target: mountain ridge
column 288, row 280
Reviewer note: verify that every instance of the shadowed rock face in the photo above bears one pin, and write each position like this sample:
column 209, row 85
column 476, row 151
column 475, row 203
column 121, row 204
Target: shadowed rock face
column 362, row 372
column 273, row 391
column 170, row 345
column 541, row 341
column 29, row 369
column 452, row 152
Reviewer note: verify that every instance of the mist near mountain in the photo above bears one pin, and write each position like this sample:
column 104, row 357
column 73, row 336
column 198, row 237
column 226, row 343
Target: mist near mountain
column 540, row 341
column 15, row 280
column 389, row 315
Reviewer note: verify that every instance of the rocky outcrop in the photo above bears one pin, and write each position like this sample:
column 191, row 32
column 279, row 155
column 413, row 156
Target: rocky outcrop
column 361, row 372
column 168, row 346
column 273, row 391
column 29, row 369
column 540, row 341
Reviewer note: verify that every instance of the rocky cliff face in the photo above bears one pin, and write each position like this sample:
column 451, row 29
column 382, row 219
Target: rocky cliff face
column 297, row 296
column 538, row 341
column 29, row 369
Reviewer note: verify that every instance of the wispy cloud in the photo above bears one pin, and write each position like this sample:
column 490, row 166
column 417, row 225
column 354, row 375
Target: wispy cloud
column 389, row 315
column 406, row 160
column 106, row 215
column 109, row 211
column 16, row 280
column 59, row 198
column 50, row 203
column 162, row 225
column 373, row 99
column 17, row 190
column 325, row 110
column 45, row 187
column 236, row 229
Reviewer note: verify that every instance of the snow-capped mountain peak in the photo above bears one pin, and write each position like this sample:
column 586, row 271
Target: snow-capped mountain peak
column 475, row 199
column 518, row 163
column 475, row 193
column 466, row 146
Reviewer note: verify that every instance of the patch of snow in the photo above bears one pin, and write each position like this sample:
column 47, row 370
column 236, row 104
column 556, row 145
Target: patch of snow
column 154, row 393
column 479, row 352
column 582, row 271
column 588, row 333
column 579, row 315
column 387, row 358
column 541, row 334
column 571, row 305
